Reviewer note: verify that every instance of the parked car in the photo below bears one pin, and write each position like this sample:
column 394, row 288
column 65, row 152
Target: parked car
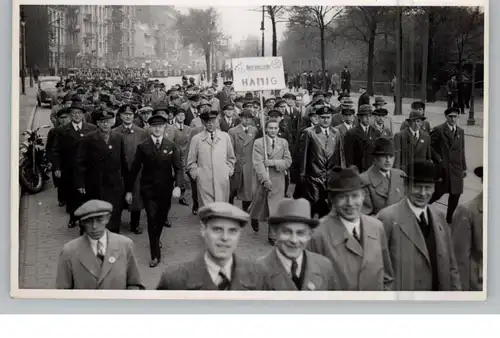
column 46, row 89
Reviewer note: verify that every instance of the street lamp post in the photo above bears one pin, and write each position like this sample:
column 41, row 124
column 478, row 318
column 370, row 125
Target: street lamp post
column 23, row 53
column 262, row 29
column 471, row 121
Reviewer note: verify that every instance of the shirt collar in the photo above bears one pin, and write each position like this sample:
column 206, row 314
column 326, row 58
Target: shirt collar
column 386, row 173
column 287, row 262
column 325, row 129
column 414, row 133
column 350, row 226
column 154, row 138
column 79, row 125
column 103, row 240
column 214, row 269
column 271, row 139
column 416, row 210
column 348, row 126
column 451, row 127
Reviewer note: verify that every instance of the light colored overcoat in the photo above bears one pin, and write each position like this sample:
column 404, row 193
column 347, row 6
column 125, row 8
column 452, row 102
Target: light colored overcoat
column 79, row 268
column 242, row 142
column 265, row 203
column 211, row 164
column 364, row 266
column 409, row 254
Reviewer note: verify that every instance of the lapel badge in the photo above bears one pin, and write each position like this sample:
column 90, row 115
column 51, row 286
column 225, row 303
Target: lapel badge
column 311, row 286
column 421, row 141
column 131, row 131
column 397, row 189
column 112, row 260
column 81, row 135
column 110, row 146
column 164, row 151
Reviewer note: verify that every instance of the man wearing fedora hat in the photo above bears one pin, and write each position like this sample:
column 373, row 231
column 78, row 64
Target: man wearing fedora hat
column 212, row 100
column 224, row 95
column 217, row 267
column 228, row 119
column 290, row 267
column 419, row 106
column 354, row 243
column 448, row 152
column 358, row 140
column 467, row 238
column 64, row 157
column 100, row 259
column 347, row 115
column 419, row 238
column 101, row 166
column 412, row 144
column 191, row 108
column 320, row 150
column 379, row 122
column 385, row 184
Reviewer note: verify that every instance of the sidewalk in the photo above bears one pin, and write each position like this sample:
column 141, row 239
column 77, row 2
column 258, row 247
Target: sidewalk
column 26, row 105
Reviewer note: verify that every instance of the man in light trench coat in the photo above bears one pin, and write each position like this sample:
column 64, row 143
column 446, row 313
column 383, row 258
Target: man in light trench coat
column 211, row 161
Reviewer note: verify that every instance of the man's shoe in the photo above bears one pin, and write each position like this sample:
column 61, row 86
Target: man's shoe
column 62, row 204
column 195, row 211
column 271, row 241
column 182, row 201
column 136, row 230
column 154, row 263
column 71, row 224
column 167, row 224
column 255, row 225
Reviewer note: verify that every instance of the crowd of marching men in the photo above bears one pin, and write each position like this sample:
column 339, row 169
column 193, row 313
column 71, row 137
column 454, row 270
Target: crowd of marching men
column 362, row 215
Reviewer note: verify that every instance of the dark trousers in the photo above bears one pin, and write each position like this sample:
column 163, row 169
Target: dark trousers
column 246, row 205
column 115, row 222
column 452, row 203
column 135, row 218
column 157, row 213
column 287, row 183
column 60, row 189
column 452, row 101
column 194, row 193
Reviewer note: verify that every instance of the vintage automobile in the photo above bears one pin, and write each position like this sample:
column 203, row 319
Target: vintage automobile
column 46, row 89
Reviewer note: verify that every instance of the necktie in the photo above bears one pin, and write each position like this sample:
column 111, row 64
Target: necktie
column 225, row 282
column 105, row 137
column 424, row 226
column 272, row 145
column 158, row 144
column 100, row 251
column 181, row 127
column 246, row 130
column 326, row 133
column 355, row 234
column 212, row 136
column 77, row 128
column 295, row 277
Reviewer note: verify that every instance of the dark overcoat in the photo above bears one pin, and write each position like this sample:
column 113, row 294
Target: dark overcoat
column 357, row 146
column 409, row 150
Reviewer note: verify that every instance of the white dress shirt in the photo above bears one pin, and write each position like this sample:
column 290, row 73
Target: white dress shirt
column 417, row 210
column 452, row 128
column 103, row 240
column 386, row 174
column 214, row 269
column 415, row 134
column 287, row 262
column 350, row 226
column 323, row 130
column 79, row 125
column 348, row 126
column 154, row 138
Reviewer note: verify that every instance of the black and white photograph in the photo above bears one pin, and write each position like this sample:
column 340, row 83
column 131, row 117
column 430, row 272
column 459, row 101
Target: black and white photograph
column 177, row 152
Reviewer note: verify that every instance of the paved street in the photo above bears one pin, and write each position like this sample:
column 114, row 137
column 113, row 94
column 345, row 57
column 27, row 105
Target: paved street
column 43, row 225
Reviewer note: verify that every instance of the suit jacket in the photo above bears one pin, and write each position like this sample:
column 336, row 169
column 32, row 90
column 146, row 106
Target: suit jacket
column 364, row 266
column 224, row 126
column 467, row 238
column 380, row 193
column 101, row 168
column 66, row 145
column 190, row 115
column 224, row 98
column 194, row 275
column 409, row 253
column 448, row 152
column 357, row 146
column 160, row 168
column 342, row 129
column 79, row 268
column 318, row 275
column 409, row 150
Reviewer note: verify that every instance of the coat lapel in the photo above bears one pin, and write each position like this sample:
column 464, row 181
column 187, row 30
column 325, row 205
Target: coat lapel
column 112, row 255
column 394, row 186
column 198, row 277
column 342, row 237
column 278, row 276
column 312, row 277
column 377, row 181
column 409, row 227
column 441, row 245
column 370, row 240
column 87, row 257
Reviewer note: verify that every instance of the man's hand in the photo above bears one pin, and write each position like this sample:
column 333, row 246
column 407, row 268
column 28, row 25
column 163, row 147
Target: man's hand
column 81, row 191
column 268, row 186
column 269, row 163
column 57, row 173
column 128, row 198
column 465, row 173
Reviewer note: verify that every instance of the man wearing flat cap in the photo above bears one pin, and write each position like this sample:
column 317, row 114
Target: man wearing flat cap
column 289, row 266
column 355, row 243
column 101, row 166
column 210, row 161
column 420, row 245
column 217, row 267
column 320, row 150
column 347, row 115
column 228, row 119
column 159, row 162
column 224, row 95
column 191, row 108
column 64, row 157
column 412, row 144
column 144, row 115
column 467, row 238
column 358, row 140
column 100, row 259
column 385, row 184
column 448, row 152
column 242, row 139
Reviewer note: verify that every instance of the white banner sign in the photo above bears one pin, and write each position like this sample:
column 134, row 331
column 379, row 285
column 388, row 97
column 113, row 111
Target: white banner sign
column 258, row 73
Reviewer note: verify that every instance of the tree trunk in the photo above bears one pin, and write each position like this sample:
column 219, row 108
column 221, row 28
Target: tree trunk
column 425, row 59
column 322, row 42
column 399, row 59
column 209, row 68
column 275, row 39
column 371, row 58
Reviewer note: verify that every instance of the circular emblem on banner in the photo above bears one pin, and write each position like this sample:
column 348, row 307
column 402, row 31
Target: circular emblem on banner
column 276, row 63
column 239, row 68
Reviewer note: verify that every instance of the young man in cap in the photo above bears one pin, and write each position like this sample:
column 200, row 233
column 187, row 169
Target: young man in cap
column 412, row 144
column 228, row 119
column 132, row 136
column 320, row 151
column 358, row 140
column 191, row 108
column 224, row 95
column 467, row 238
column 419, row 239
column 182, row 138
column 63, row 119
column 242, row 139
column 418, row 106
column 448, row 152
column 64, row 157
column 385, row 184
column 347, row 115
column 290, row 267
column 354, row 243
column 293, row 114
column 166, row 112
column 387, row 121
column 144, row 115
column 217, row 267
column 100, row 259
column 101, row 166
column 160, row 162
column 211, row 161
column 270, row 168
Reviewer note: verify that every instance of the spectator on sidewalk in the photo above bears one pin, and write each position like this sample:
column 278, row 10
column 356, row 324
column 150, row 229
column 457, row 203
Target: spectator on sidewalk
column 452, row 92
